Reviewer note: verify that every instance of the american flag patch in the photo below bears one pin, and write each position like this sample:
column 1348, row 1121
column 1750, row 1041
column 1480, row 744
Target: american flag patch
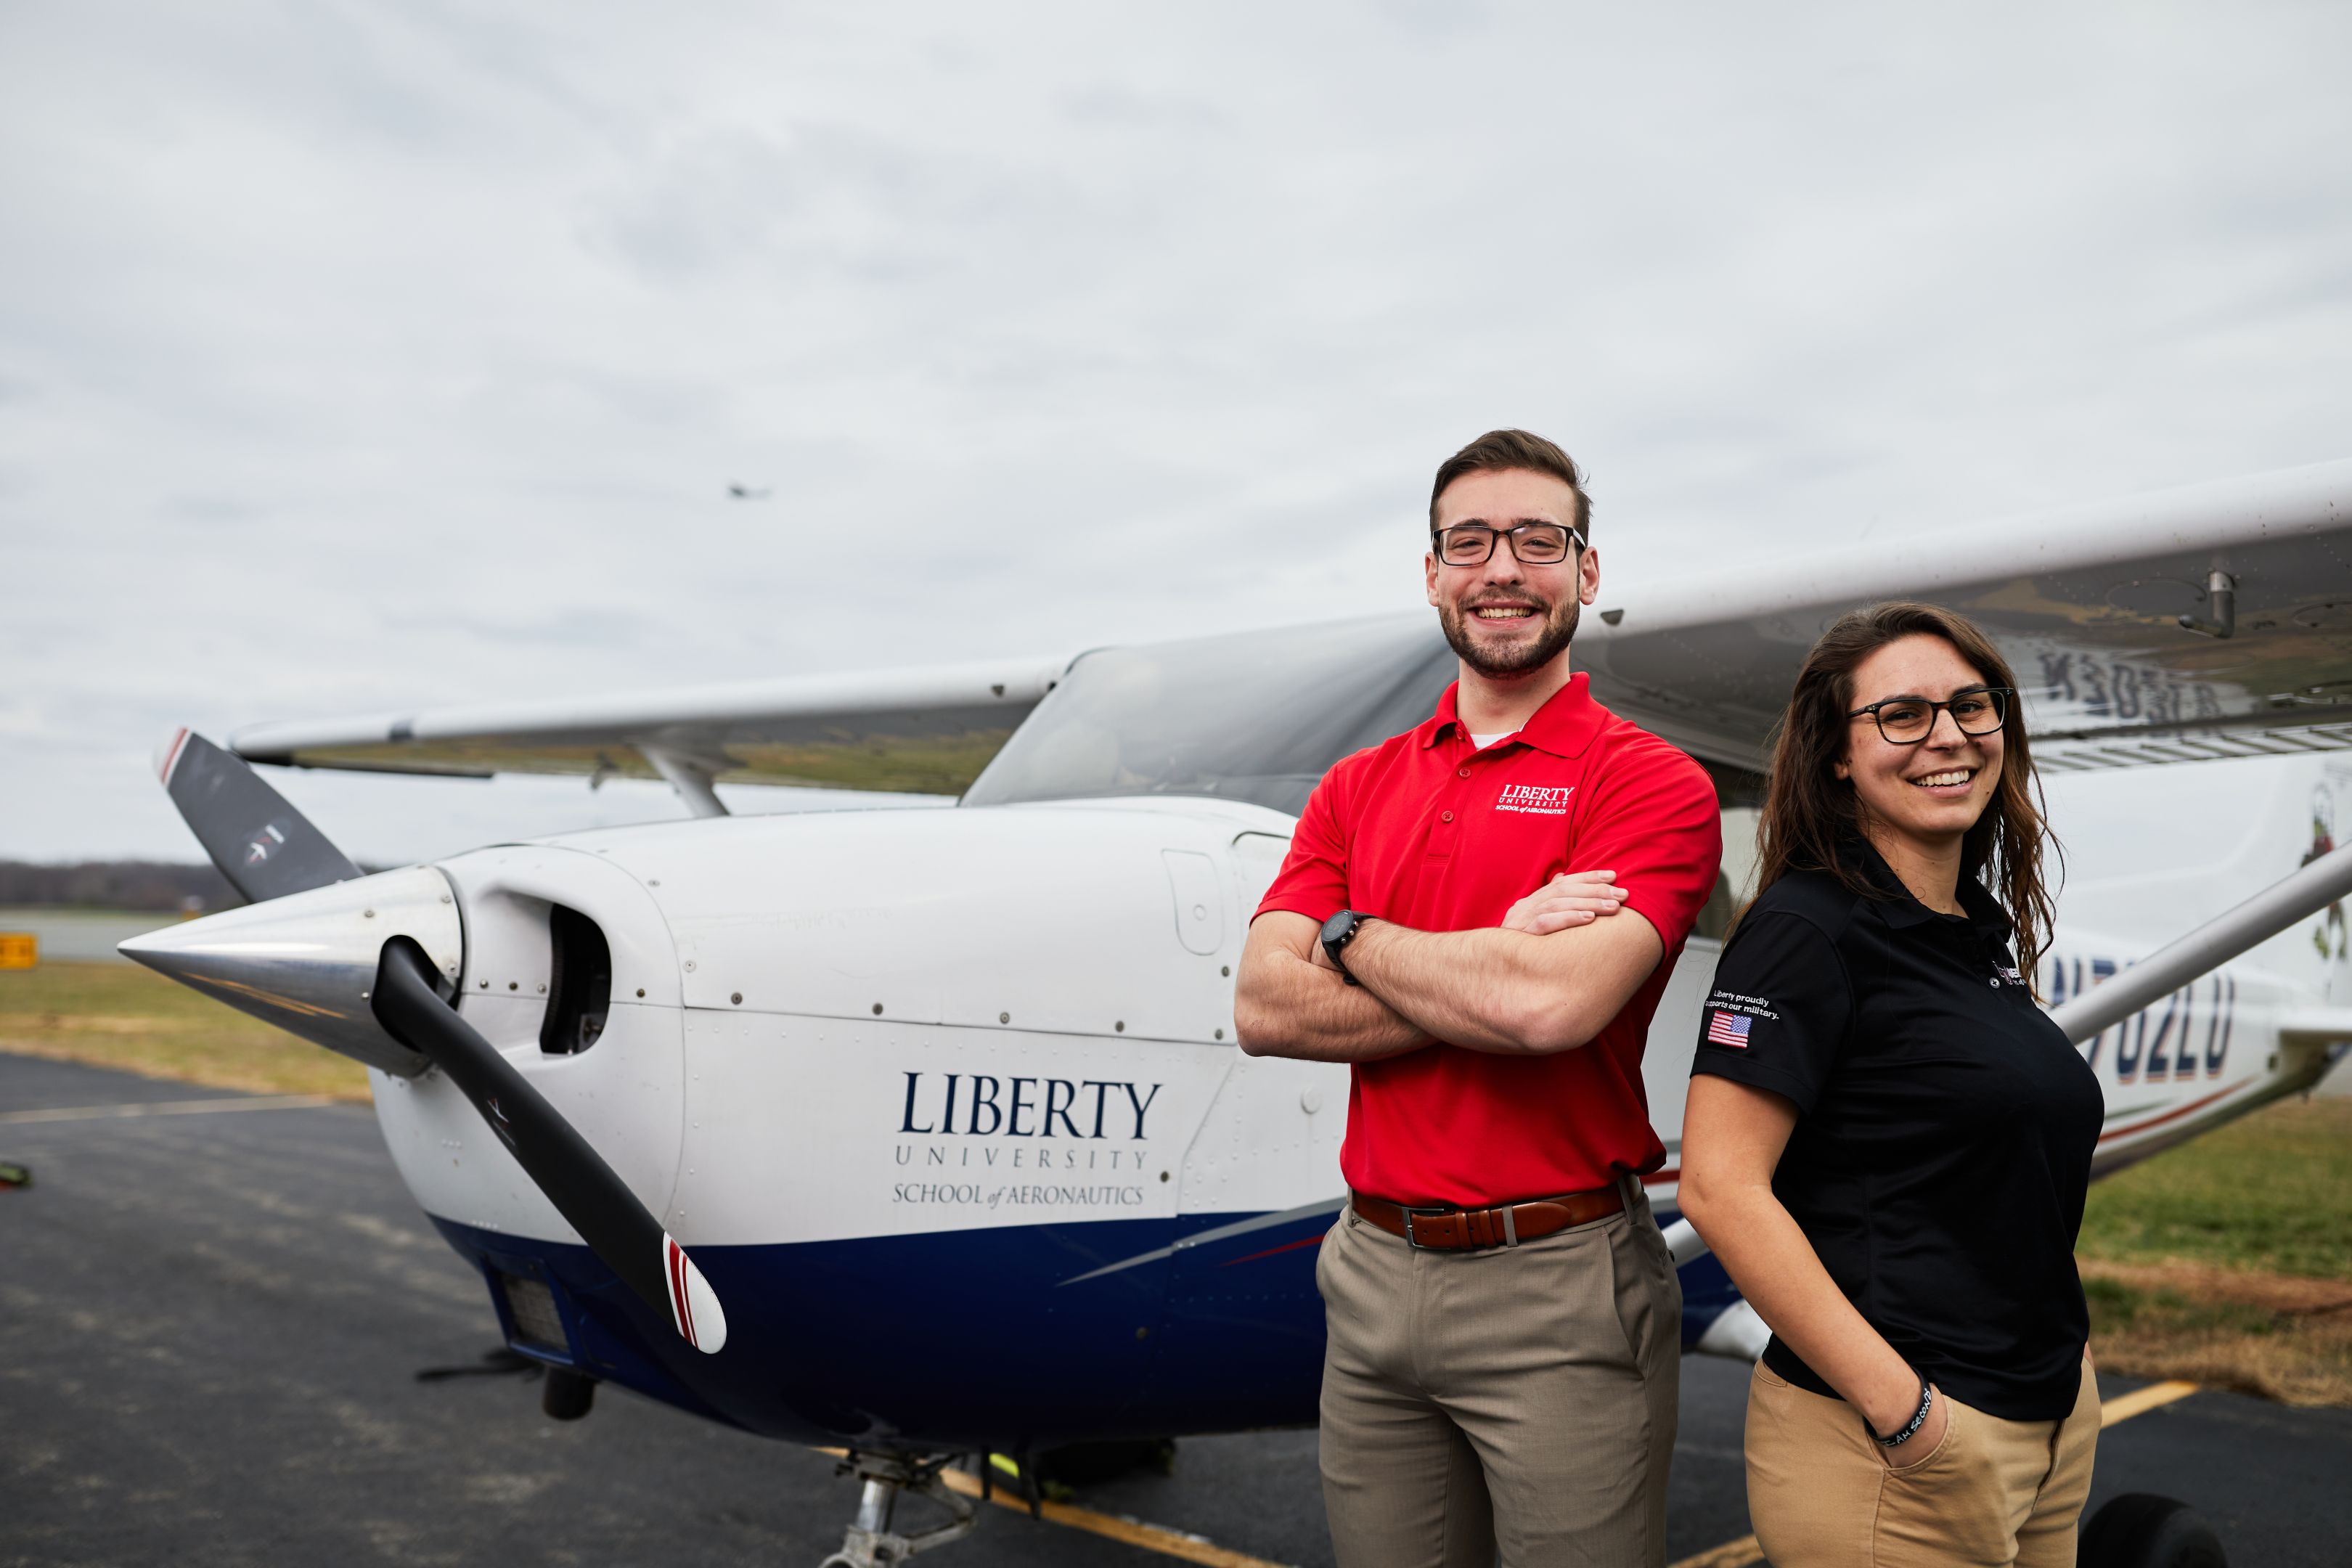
column 1728, row 1029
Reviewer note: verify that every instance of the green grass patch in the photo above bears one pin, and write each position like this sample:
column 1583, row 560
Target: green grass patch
column 120, row 1016
column 2272, row 1192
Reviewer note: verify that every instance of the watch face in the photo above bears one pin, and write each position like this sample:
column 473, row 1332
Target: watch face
column 1336, row 930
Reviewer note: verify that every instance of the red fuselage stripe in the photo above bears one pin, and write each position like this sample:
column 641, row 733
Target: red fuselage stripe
column 1315, row 1240
column 2172, row 1115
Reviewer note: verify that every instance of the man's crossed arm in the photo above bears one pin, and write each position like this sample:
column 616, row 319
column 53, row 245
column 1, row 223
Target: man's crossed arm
column 1548, row 979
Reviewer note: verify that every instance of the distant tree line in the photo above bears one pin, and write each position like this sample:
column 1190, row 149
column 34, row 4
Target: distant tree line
column 117, row 885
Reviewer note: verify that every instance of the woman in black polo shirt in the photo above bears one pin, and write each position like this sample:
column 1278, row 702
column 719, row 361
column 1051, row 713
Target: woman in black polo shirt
column 1887, row 1142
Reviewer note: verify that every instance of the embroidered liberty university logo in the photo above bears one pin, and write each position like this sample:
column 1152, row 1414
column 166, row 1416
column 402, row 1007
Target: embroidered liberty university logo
column 1535, row 800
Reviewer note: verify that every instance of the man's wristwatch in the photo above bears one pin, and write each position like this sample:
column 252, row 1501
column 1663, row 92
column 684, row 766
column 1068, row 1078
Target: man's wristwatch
column 1338, row 933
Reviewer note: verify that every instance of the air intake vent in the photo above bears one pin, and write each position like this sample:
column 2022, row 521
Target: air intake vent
column 530, row 1305
column 579, row 987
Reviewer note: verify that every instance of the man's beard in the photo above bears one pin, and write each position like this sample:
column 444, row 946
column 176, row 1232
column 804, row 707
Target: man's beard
column 1558, row 629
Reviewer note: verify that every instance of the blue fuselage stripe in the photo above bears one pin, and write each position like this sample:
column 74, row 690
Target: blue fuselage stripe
column 1021, row 1336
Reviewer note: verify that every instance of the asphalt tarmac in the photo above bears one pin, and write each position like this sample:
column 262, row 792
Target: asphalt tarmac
column 211, row 1324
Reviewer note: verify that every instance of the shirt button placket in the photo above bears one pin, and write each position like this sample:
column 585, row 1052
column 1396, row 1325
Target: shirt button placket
column 1442, row 831
column 1441, row 834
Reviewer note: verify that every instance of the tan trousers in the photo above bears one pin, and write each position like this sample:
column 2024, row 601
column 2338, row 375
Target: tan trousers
column 1993, row 1494
column 1518, row 1399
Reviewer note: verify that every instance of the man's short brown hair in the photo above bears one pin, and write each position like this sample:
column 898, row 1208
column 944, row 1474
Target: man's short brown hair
column 1515, row 449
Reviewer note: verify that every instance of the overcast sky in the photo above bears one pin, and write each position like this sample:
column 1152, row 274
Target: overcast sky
column 363, row 356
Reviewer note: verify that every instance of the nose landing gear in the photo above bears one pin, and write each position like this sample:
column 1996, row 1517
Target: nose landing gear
column 872, row 1542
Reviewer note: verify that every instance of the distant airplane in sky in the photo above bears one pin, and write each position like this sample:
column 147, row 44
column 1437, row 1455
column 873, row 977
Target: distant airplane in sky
column 745, row 492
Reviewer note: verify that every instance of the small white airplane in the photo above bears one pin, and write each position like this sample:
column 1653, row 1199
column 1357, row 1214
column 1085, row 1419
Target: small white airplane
column 923, row 1132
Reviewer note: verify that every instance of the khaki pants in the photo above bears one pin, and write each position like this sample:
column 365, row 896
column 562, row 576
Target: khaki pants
column 1519, row 1399
column 1993, row 1494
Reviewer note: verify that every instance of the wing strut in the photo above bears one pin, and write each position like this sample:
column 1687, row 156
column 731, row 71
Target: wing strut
column 2211, row 945
column 690, row 776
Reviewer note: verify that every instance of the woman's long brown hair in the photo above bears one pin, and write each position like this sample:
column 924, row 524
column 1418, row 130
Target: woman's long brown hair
column 1811, row 816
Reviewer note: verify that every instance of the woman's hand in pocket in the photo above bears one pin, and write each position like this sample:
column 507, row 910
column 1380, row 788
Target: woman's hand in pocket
column 1922, row 1443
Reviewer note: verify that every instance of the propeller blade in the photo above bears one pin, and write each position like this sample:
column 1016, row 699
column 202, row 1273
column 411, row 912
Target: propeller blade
column 269, row 851
column 575, row 1177
column 261, row 844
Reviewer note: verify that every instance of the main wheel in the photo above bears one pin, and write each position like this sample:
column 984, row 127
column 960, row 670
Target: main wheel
column 2140, row 1530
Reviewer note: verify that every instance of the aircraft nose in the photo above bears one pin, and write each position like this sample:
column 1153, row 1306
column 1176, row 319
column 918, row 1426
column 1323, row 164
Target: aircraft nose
column 307, row 961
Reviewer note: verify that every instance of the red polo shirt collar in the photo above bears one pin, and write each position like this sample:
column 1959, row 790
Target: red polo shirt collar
column 1563, row 726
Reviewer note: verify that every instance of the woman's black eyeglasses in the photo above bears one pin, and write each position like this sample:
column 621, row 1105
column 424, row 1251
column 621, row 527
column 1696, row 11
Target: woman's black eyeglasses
column 1907, row 721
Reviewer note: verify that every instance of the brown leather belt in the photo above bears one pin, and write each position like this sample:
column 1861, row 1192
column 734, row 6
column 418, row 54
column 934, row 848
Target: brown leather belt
column 1451, row 1229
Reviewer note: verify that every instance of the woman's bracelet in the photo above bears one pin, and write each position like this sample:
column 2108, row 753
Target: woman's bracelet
column 1918, row 1419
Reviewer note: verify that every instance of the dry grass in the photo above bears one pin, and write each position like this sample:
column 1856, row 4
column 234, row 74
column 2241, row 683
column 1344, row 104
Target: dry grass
column 2229, row 1260
column 2275, row 1335
column 120, row 1016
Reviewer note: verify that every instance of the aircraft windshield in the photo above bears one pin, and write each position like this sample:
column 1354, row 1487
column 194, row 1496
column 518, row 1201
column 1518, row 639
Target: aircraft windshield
column 1257, row 716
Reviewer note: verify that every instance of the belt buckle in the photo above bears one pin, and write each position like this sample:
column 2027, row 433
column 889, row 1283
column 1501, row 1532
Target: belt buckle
column 1412, row 1240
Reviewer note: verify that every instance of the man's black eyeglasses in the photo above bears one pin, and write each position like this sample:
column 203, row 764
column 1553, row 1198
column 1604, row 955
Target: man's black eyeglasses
column 1532, row 543
column 1907, row 721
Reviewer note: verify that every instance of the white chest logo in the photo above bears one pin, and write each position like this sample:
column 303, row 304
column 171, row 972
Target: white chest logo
column 1535, row 800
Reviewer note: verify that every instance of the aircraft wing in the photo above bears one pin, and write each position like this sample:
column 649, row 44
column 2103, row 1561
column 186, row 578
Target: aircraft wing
column 928, row 730
column 2085, row 602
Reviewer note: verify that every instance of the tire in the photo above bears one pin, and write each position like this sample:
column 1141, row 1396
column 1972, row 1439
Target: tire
column 2140, row 1530
column 568, row 1395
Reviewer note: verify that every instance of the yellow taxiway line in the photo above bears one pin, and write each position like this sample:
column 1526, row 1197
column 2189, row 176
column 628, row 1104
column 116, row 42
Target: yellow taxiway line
column 1134, row 1532
column 1744, row 1551
column 1736, row 1553
column 1151, row 1537
column 2140, row 1401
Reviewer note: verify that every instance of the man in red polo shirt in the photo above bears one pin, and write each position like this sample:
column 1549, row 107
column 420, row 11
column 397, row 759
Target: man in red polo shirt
column 1481, row 915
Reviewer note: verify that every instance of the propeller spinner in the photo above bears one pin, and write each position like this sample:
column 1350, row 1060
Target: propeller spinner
column 365, row 965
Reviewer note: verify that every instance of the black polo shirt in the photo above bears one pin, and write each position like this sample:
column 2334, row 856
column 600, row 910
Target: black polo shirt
column 1944, row 1131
